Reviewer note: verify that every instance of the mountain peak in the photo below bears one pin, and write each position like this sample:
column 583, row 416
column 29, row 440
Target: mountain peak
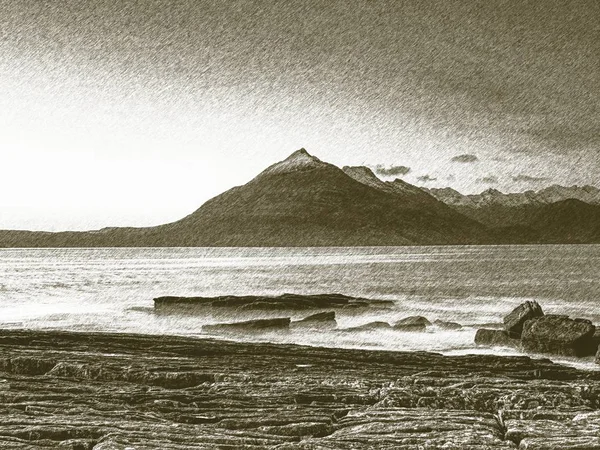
column 299, row 161
column 362, row 174
column 492, row 191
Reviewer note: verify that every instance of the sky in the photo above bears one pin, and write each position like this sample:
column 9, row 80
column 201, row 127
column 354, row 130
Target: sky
column 133, row 113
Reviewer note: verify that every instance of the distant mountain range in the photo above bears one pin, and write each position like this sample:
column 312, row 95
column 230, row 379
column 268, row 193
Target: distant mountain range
column 303, row 201
column 555, row 214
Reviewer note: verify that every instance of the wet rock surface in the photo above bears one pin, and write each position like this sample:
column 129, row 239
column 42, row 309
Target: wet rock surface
column 495, row 338
column 370, row 326
column 414, row 321
column 319, row 320
column 514, row 321
column 527, row 328
column 257, row 325
column 267, row 303
column 447, row 325
column 559, row 335
column 109, row 391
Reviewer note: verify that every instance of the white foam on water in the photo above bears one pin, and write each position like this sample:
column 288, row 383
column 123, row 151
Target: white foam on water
column 96, row 289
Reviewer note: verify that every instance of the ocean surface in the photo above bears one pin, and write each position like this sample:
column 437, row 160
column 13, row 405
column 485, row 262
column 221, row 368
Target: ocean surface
column 111, row 289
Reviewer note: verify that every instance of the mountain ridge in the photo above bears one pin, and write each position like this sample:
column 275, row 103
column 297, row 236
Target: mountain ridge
column 302, row 201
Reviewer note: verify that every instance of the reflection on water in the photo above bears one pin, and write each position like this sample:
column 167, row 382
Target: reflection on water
column 112, row 289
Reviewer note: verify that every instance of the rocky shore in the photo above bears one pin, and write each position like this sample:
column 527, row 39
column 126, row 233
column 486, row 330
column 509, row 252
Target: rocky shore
column 115, row 391
column 528, row 329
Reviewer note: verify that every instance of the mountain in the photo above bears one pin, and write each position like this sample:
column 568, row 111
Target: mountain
column 497, row 209
column 551, row 194
column 567, row 221
column 303, row 201
column 300, row 201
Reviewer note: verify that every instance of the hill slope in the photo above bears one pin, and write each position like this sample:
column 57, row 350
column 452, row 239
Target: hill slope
column 300, row 201
column 303, row 201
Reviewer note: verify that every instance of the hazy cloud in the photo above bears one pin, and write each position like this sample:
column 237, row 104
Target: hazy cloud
column 490, row 179
column 426, row 178
column 466, row 158
column 528, row 178
column 391, row 170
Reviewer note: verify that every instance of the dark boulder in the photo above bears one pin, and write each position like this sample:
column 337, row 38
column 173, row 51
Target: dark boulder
column 412, row 323
column 371, row 326
column 257, row 325
column 495, row 338
column 513, row 322
column 414, row 320
column 447, row 325
column 319, row 320
column 559, row 335
column 416, row 327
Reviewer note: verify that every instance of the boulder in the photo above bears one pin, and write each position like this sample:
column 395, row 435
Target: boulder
column 412, row 323
column 447, row 325
column 371, row 326
column 495, row 338
column 513, row 322
column 319, row 320
column 250, row 325
column 559, row 335
column 414, row 320
column 416, row 327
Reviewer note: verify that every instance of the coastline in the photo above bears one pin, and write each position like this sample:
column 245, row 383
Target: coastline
column 114, row 391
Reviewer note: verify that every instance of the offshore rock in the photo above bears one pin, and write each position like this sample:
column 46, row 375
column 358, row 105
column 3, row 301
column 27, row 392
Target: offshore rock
column 495, row 338
column 447, row 325
column 257, row 325
column 559, row 335
column 414, row 320
column 409, row 327
column 513, row 322
column 319, row 320
column 371, row 326
column 267, row 303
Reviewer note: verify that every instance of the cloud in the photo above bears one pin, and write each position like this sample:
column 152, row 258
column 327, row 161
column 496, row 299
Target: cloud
column 391, row 170
column 490, row 179
column 465, row 158
column 426, row 178
column 528, row 179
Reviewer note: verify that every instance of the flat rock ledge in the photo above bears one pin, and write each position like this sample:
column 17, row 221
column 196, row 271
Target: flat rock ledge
column 172, row 304
column 116, row 391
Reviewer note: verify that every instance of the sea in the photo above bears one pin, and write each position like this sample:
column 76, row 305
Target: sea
column 112, row 289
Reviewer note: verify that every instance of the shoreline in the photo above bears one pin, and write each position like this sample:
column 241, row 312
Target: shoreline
column 115, row 390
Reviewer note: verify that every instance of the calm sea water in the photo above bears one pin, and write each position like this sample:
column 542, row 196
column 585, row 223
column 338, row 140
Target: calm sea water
column 111, row 289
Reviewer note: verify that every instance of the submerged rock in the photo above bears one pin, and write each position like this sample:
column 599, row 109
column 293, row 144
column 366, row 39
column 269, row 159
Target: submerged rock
column 412, row 323
column 447, row 325
column 319, row 320
column 414, row 320
column 559, row 335
column 371, row 326
column 513, row 322
column 251, row 325
column 495, row 338
column 409, row 327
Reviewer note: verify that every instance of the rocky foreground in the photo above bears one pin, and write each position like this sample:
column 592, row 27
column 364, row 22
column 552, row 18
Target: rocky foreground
column 108, row 391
